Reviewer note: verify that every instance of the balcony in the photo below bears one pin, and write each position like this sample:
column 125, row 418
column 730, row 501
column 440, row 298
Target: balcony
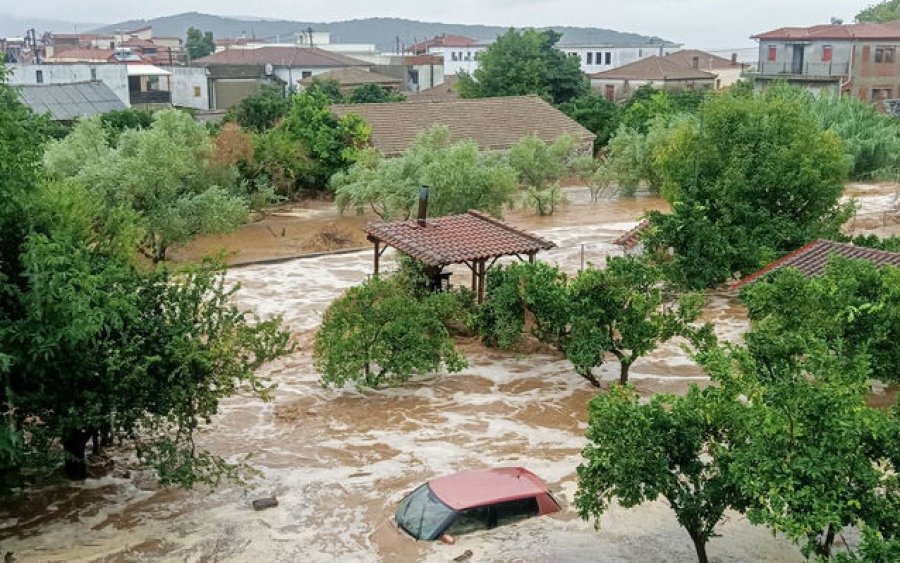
column 806, row 71
column 150, row 97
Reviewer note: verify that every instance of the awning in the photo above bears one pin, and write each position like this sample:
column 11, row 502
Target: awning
column 146, row 70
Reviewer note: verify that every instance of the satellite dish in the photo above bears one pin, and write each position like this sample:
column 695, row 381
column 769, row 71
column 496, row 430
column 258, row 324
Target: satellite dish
column 269, row 69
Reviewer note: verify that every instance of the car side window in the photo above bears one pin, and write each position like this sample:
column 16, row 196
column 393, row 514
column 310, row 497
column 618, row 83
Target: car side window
column 515, row 510
column 471, row 520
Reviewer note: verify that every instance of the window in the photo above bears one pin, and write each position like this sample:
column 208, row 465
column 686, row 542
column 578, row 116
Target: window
column 453, row 55
column 598, row 56
column 93, row 73
column 590, row 58
column 827, row 52
column 472, row 520
column 515, row 510
column 305, row 74
column 885, row 53
column 196, row 91
column 879, row 94
column 773, row 53
column 608, row 58
column 39, row 76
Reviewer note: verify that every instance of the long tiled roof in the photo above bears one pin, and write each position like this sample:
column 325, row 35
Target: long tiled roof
column 653, row 68
column 889, row 30
column 281, row 56
column 454, row 239
column 443, row 92
column 493, row 123
column 65, row 102
column 353, row 76
column 812, row 258
column 706, row 61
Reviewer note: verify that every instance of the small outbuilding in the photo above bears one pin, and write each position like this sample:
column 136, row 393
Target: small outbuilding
column 475, row 239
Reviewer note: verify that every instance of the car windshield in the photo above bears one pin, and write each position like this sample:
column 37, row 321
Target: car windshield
column 423, row 515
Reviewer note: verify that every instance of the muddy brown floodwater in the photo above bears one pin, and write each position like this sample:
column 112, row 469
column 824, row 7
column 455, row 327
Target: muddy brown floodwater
column 339, row 460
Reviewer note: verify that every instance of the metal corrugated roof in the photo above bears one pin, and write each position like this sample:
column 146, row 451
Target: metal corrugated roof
column 65, row 102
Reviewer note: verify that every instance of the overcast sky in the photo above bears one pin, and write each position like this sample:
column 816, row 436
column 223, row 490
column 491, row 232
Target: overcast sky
column 696, row 23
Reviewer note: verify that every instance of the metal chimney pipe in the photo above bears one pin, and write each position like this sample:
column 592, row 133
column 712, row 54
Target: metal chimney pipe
column 423, row 205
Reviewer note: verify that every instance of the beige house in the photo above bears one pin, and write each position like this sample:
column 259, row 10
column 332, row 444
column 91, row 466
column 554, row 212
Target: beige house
column 659, row 72
column 727, row 71
column 350, row 78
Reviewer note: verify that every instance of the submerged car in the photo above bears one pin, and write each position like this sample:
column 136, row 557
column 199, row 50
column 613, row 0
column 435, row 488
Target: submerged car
column 473, row 500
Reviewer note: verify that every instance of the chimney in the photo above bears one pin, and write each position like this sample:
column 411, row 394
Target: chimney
column 734, row 58
column 423, row 205
column 695, row 62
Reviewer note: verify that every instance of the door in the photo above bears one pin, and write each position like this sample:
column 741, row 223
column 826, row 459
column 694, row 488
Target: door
column 610, row 92
column 797, row 62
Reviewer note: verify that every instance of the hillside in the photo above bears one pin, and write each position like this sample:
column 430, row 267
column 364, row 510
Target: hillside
column 383, row 32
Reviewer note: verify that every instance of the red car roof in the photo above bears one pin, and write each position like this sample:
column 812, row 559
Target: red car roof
column 469, row 489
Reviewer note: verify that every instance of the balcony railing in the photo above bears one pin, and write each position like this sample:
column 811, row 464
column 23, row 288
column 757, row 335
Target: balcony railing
column 826, row 69
column 150, row 97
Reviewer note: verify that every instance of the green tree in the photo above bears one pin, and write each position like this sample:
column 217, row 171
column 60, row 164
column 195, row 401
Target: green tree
column 372, row 93
column 522, row 62
column 377, row 334
column 541, row 167
column 853, row 308
column 93, row 346
column 165, row 175
column 880, row 12
column 118, row 121
column 261, row 110
column 199, row 44
column 332, row 144
column 461, row 177
column 811, row 456
column 330, row 87
column 596, row 114
column 757, row 174
column 674, row 447
column 623, row 310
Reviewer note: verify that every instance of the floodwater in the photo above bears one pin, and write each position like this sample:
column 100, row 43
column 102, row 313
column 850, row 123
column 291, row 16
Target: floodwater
column 340, row 460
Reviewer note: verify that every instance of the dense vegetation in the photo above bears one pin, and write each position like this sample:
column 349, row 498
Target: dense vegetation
column 198, row 44
column 880, row 12
column 94, row 344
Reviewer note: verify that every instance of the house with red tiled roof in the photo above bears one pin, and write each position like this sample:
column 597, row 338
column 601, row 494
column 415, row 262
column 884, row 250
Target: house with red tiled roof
column 812, row 258
column 493, row 123
column 459, row 53
column 858, row 59
column 659, row 72
column 727, row 71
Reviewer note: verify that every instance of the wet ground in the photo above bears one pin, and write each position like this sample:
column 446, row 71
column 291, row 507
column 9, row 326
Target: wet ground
column 340, row 460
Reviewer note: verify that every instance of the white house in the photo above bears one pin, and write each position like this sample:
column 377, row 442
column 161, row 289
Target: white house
column 600, row 57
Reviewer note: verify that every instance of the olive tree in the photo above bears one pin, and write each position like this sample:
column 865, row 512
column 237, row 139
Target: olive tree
column 541, row 166
column 461, row 177
column 165, row 175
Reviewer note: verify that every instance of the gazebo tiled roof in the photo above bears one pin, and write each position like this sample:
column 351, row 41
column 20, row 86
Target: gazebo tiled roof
column 812, row 258
column 456, row 239
column 633, row 237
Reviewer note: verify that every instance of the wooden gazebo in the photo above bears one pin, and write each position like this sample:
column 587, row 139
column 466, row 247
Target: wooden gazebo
column 474, row 239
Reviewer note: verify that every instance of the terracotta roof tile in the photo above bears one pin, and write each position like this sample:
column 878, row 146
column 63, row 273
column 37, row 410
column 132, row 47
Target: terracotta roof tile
column 442, row 41
column 353, row 76
column 812, row 258
column 633, row 237
column 443, row 92
column 653, row 68
column 493, row 123
column 889, row 30
column 706, row 61
column 454, row 239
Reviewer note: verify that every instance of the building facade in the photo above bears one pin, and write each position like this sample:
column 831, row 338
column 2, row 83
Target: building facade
column 600, row 57
column 854, row 59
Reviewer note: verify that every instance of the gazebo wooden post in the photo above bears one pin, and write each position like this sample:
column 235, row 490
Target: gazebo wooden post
column 474, row 269
column 377, row 255
column 531, row 257
column 481, row 276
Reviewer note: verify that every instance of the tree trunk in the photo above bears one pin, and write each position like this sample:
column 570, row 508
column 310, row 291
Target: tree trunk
column 824, row 548
column 74, row 444
column 587, row 374
column 700, row 547
column 623, row 372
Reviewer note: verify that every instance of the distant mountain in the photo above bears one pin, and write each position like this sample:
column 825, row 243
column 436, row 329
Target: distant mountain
column 385, row 33
column 11, row 26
